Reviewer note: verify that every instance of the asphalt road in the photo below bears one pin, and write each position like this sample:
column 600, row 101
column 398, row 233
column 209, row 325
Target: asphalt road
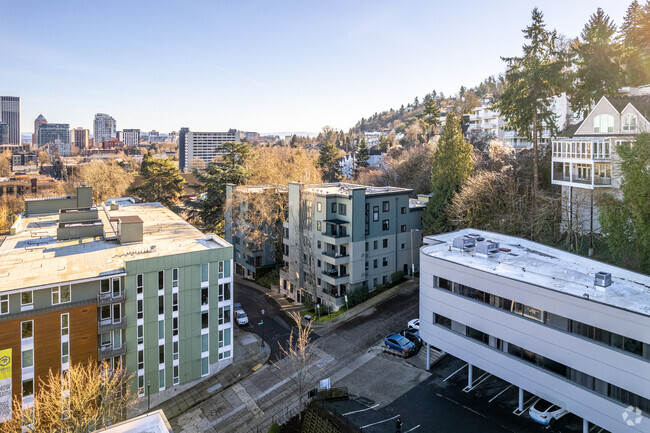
column 277, row 326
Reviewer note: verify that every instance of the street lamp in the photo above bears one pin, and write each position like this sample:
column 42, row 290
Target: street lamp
column 262, row 325
column 148, row 395
column 318, row 309
column 346, row 303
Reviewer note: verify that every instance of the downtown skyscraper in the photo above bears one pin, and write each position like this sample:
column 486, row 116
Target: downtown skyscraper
column 104, row 128
column 10, row 115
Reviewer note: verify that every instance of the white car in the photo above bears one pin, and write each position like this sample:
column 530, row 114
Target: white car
column 241, row 317
column 415, row 323
column 543, row 412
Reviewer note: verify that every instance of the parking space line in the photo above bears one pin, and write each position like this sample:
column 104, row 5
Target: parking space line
column 361, row 410
column 450, row 376
column 502, row 391
column 379, row 422
column 417, row 426
column 534, row 397
column 479, row 380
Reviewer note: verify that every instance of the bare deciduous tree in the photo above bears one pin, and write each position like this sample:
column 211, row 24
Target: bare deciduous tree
column 108, row 179
column 85, row 398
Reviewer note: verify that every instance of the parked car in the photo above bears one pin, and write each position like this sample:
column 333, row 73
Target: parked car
column 543, row 412
column 236, row 306
column 241, row 317
column 413, row 335
column 400, row 343
column 414, row 323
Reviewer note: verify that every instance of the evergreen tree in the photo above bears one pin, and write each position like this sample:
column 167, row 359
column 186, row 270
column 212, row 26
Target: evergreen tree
column 531, row 82
column 432, row 116
column 451, row 167
column 635, row 40
column 362, row 154
column 597, row 57
column 163, row 182
column 328, row 161
column 625, row 222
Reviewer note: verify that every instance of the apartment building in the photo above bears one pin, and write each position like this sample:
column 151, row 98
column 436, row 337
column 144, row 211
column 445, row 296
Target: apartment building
column 584, row 158
column 203, row 147
column 251, row 253
column 80, row 138
column 565, row 328
column 130, row 137
column 129, row 283
column 340, row 236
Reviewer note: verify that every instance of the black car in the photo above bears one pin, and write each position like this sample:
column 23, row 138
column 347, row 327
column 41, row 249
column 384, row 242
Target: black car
column 413, row 335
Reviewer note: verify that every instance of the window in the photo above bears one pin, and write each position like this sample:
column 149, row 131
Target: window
column 175, row 375
column 220, row 267
column 161, row 330
column 384, row 261
column 27, row 329
column 385, row 206
column 60, row 294
column 342, row 209
column 105, row 339
column 366, row 246
column 65, row 352
column 319, row 206
column 205, row 343
column 105, row 313
column 204, row 273
column 604, row 123
column 161, row 304
column 204, row 366
column 375, row 244
column 385, row 243
column 65, row 324
column 175, row 350
column 140, row 334
column 105, row 286
column 174, row 278
column 4, row 304
column 161, row 379
column 333, row 207
column 374, row 263
column 629, row 122
column 220, row 338
column 161, row 280
column 139, row 283
column 402, row 228
column 117, row 339
column 375, row 213
column 403, row 246
column 140, row 359
column 366, row 266
column 174, row 326
column 226, row 339
column 161, row 354
column 174, row 301
column 319, row 226
column 27, row 299
column 224, row 292
column 403, row 210
column 204, row 320
column 140, row 309
column 204, row 296
column 117, row 313
column 116, row 287
column 28, row 387
column 384, row 225
column 28, row 358
column 224, row 315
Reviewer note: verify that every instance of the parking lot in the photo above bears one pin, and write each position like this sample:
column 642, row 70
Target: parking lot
column 444, row 403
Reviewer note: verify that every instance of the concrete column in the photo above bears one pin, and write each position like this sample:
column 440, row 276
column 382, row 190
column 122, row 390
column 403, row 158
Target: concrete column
column 469, row 376
column 428, row 356
column 585, row 426
column 521, row 399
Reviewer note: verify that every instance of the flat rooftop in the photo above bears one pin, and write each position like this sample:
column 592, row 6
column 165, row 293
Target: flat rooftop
column 343, row 189
column 551, row 268
column 33, row 257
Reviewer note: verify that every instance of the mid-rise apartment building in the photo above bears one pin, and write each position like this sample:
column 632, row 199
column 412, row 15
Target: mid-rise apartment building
column 129, row 283
column 339, row 237
column 203, row 147
column 10, row 115
column 585, row 159
column 104, row 128
column 130, row 137
column 80, row 138
column 571, row 330
column 243, row 217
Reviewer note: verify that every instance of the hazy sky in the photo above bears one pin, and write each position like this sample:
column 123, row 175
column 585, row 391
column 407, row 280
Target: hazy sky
column 256, row 65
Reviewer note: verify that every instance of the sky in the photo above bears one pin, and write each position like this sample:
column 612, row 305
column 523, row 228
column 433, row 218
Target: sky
column 264, row 66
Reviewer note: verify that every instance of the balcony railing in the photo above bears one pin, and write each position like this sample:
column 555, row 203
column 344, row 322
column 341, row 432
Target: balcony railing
column 573, row 179
column 110, row 351
column 108, row 298
column 599, row 180
column 335, row 274
column 110, row 325
column 333, row 254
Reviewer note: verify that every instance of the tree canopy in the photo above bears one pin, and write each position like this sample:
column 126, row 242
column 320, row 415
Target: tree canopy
column 163, row 181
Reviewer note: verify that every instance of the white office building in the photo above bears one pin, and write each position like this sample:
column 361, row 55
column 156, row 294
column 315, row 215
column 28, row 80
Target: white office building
column 203, row 147
column 568, row 329
column 104, row 128
column 130, row 137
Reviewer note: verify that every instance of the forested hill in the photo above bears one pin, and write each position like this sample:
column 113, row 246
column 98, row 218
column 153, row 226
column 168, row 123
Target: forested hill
column 400, row 118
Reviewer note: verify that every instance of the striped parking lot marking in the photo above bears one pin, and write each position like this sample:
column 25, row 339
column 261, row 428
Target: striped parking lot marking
column 417, row 426
column 502, row 391
column 361, row 410
column 450, row 376
column 379, row 422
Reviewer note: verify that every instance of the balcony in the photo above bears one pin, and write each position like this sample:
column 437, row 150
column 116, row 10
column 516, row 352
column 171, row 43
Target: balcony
column 335, row 258
column 335, row 277
column 110, row 325
column 109, row 298
column 602, row 181
column 336, row 238
column 110, row 351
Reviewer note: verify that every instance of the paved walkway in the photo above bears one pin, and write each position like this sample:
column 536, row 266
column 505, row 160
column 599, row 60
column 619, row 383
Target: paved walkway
column 249, row 356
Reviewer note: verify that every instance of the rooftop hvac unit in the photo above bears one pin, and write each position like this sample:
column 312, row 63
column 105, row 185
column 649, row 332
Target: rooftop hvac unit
column 487, row 248
column 464, row 243
column 603, row 279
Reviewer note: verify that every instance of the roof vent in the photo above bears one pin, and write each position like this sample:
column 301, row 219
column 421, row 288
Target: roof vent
column 603, row 279
column 464, row 243
column 487, row 248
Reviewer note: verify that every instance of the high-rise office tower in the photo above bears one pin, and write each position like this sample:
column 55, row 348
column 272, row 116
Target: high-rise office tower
column 10, row 114
column 50, row 132
column 40, row 120
column 80, row 138
column 104, row 128
column 4, row 133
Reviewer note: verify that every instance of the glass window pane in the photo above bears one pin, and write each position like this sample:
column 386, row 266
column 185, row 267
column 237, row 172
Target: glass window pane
column 204, row 366
column 28, row 358
column 26, row 298
column 28, row 387
column 204, row 343
column 204, row 273
column 27, row 329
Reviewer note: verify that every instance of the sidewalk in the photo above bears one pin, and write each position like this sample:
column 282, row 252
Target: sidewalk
column 285, row 305
column 248, row 357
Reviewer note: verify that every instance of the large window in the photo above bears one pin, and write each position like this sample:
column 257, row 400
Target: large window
column 204, row 273
column 629, row 122
column 385, row 206
column 139, row 283
column 4, row 304
column 603, row 123
column 60, row 294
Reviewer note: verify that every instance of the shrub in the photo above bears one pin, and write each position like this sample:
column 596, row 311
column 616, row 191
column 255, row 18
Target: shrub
column 275, row 428
column 397, row 276
column 357, row 296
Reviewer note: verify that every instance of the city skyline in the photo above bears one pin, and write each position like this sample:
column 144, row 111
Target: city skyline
column 255, row 66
